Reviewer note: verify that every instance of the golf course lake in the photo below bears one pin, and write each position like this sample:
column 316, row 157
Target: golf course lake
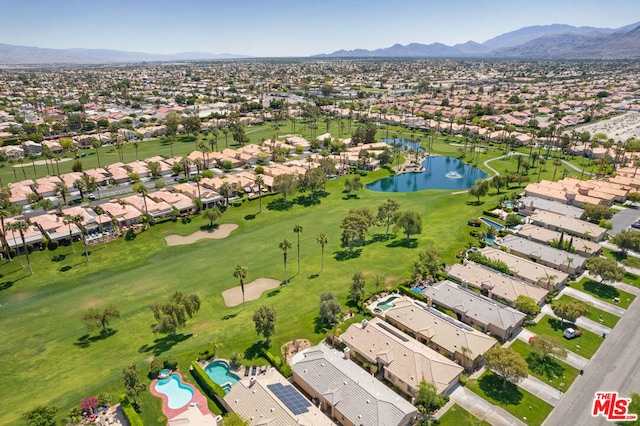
column 439, row 173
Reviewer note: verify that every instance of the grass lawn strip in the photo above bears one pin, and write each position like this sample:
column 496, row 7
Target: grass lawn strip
column 456, row 416
column 585, row 345
column 604, row 292
column 553, row 371
column 593, row 313
column 517, row 401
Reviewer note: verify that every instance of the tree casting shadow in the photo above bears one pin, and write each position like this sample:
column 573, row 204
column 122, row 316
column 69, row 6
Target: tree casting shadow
column 279, row 205
column 253, row 351
column 86, row 340
column 411, row 243
column 163, row 344
column 491, row 385
column 342, row 255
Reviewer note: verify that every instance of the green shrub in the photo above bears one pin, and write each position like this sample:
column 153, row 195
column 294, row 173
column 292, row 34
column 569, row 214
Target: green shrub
column 211, row 388
column 129, row 411
column 156, row 366
column 407, row 291
column 277, row 362
column 52, row 245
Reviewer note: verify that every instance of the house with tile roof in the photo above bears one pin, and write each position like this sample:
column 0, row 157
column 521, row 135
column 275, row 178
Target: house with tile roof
column 447, row 336
column 494, row 284
column 345, row 392
column 253, row 398
column 526, row 270
column 558, row 222
column 586, row 248
column 561, row 260
column 476, row 310
column 125, row 214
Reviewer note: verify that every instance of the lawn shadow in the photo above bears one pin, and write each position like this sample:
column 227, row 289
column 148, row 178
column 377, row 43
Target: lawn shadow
column 278, row 205
column 320, row 326
column 273, row 292
column 491, row 385
column 86, row 340
column 604, row 291
column 6, row 285
column 313, row 276
column 306, row 201
column 229, row 316
column 59, row 257
column 209, row 227
column 557, row 325
column 475, row 203
column 163, row 344
column 411, row 243
column 66, row 268
column 549, row 367
column 253, row 351
column 185, row 220
column 342, row 255
column 249, row 217
column 377, row 238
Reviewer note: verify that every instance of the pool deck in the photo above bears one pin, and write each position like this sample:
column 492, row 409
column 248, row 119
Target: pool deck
column 198, row 399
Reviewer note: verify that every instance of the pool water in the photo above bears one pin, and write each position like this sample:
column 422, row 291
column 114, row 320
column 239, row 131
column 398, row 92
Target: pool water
column 439, row 173
column 178, row 393
column 417, row 289
column 387, row 303
column 491, row 223
column 219, row 372
column 404, row 144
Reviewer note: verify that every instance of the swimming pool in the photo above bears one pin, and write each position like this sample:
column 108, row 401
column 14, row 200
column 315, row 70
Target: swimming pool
column 387, row 303
column 219, row 372
column 178, row 394
column 491, row 223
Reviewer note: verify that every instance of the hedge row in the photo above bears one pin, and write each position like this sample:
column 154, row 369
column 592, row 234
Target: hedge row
column 211, row 388
column 129, row 412
column 282, row 367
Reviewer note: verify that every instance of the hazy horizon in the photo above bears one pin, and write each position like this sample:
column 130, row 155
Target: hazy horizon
column 288, row 28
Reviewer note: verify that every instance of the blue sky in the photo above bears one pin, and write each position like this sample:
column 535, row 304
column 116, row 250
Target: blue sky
column 287, row 27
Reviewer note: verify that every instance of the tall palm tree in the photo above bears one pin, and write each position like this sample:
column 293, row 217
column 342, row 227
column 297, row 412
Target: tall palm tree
column 241, row 274
column 141, row 189
column 226, row 189
column 80, row 185
column 67, row 221
column 260, row 182
column 21, row 226
column 96, row 145
column 5, row 213
column 298, row 230
column 63, row 190
column 322, row 240
column 284, row 246
column 77, row 220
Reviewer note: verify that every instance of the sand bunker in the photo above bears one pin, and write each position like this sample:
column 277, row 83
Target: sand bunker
column 252, row 291
column 220, row 232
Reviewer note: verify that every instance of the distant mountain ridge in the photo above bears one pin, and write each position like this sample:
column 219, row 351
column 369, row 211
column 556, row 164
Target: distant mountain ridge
column 26, row 55
column 556, row 41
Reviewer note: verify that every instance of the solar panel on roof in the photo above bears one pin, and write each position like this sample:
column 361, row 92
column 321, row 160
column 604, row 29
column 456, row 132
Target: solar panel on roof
column 290, row 397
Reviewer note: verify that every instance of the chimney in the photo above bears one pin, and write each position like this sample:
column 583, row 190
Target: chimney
column 464, row 284
column 364, row 323
column 252, row 381
column 346, row 352
column 429, row 301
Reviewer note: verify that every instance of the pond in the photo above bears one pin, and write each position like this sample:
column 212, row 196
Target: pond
column 439, row 173
column 404, row 144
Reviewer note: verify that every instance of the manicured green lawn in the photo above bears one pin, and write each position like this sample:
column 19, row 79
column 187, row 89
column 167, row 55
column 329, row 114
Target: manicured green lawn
column 50, row 358
column 585, row 345
column 593, row 313
column 456, row 416
column 604, row 292
column 631, row 279
column 626, row 260
column 553, row 371
column 517, row 401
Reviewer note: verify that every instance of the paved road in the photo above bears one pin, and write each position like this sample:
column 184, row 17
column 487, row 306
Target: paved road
column 613, row 368
column 623, row 220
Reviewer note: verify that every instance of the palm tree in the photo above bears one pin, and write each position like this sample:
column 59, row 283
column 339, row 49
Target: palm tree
column 556, row 164
column 67, row 221
column 241, row 274
column 141, row 189
column 322, row 240
column 284, row 246
column 298, row 230
column 77, row 220
column 226, row 189
column 21, row 226
column 63, row 190
column 96, row 145
column 260, row 182
column 136, row 145
column 80, row 185
column 5, row 213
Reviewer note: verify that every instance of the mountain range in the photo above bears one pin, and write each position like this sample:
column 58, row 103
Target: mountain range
column 555, row 41
column 26, row 55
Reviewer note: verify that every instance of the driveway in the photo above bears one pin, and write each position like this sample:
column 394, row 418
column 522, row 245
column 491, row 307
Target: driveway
column 623, row 219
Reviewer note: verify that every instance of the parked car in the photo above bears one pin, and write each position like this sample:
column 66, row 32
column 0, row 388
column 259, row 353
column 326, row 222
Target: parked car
column 91, row 196
column 636, row 225
column 570, row 333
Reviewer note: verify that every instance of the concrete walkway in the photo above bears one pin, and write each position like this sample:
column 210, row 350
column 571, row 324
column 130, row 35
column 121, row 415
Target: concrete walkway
column 573, row 359
column 483, row 409
column 597, row 303
column 540, row 389
column 581, row 322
